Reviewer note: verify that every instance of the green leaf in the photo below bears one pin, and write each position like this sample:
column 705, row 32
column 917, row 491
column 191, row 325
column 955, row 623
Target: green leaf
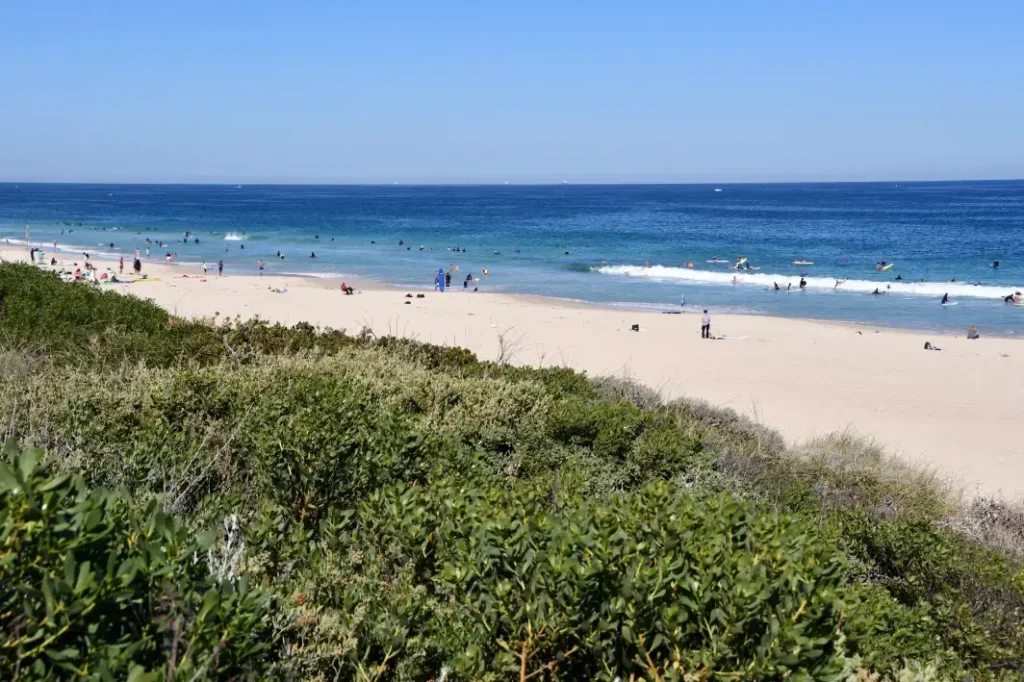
column 8, row 479
column 28, row 462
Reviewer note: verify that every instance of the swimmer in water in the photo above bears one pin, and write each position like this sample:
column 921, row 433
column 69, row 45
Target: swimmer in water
column 945, row 299
column 995, row 264
column 776, row 284
column 876, row 292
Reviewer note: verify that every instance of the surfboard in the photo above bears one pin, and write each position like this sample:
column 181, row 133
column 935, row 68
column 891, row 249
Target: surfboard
column 887, row 267
column 803, row 262
column 950, row 303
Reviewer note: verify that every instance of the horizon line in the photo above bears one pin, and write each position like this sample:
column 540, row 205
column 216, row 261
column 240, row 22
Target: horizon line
column 510, row 183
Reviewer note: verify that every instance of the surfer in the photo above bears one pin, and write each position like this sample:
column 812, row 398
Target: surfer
column 1012, row 298
column 776, row 285
column 898, row 278
column 945, row 299
column 312, row 254
column 876, row 292
column 714, row 259
column 803, row 283
column 995, row 264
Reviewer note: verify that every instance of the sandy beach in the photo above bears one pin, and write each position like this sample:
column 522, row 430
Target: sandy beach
column 958, row 410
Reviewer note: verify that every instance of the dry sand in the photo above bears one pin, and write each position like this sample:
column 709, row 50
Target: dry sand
column 958, row 410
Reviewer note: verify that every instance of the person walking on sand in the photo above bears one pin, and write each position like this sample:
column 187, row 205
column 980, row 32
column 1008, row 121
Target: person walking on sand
column 120, row 265
column 705, row 326
column 260, row 263
column 204, row 268
column 220, row 268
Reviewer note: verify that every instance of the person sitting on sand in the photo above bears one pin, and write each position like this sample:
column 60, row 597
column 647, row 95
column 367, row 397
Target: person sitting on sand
column 347, row 289
column 972, row 333
column 928, row 346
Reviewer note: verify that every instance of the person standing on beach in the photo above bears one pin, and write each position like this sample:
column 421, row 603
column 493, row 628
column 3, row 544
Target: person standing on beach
column 448, row 279
column 220, row 268
column 705, row 326
column 204, row 268
column 260, row 263
column 120, row 265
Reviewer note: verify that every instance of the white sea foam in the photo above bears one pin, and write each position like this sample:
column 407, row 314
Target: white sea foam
column 767, row 280
column 234, row 237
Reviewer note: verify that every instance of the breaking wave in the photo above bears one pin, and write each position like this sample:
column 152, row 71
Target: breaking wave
column 767, row 280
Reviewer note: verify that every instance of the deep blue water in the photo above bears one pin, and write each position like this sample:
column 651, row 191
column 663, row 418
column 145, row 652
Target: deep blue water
column 931, row 231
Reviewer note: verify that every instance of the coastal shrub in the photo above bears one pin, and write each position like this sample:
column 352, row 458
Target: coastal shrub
column 954, row 583
column 93, row 588
column 611, row 389
column 419, row 514
column 649, row 584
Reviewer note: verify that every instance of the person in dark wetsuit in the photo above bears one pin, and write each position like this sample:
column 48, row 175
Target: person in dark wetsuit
column 803, row 283
column 945, row 299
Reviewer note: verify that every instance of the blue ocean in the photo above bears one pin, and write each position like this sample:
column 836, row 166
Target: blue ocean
column 644, row 246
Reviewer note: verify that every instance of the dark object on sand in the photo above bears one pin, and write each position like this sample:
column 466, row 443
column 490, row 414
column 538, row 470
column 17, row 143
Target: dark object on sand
column 635, row 327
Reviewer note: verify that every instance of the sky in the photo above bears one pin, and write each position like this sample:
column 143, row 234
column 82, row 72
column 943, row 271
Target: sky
column 446, row 92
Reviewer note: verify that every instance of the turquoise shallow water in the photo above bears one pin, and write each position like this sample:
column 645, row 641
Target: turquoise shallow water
column 627, row 245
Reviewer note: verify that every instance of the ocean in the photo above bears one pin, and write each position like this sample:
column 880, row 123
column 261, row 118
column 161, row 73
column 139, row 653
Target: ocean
column 642, row 246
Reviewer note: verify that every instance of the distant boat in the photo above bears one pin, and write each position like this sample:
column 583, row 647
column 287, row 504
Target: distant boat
column 718, row 189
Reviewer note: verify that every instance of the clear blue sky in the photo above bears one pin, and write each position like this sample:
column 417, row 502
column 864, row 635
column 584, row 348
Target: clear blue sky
column 519, row 91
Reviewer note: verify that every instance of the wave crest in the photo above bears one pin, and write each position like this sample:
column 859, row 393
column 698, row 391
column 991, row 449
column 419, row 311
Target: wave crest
column 767, row 280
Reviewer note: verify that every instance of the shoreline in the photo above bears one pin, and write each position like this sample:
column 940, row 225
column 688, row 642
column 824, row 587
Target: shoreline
column 10, row 252
column 957, row 411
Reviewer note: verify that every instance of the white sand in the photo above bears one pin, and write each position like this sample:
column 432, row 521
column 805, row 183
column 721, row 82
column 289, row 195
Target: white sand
column 959, row 410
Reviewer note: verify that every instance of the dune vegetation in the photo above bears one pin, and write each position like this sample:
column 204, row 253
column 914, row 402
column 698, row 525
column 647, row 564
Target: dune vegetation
column 190, row 499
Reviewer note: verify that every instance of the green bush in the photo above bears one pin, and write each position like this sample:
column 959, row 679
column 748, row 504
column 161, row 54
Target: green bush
column 96, row 589
column 419, row 514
